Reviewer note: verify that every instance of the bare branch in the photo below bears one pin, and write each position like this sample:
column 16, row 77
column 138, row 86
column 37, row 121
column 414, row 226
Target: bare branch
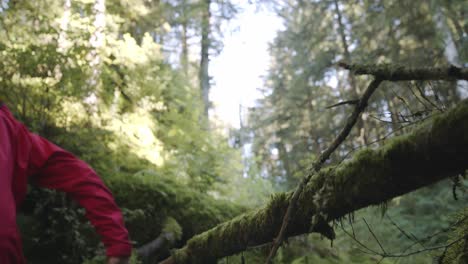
column 351, row 102
column 351, row 121
column 374, row 236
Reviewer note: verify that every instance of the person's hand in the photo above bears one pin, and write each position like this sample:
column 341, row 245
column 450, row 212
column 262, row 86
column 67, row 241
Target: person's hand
column 118, row 260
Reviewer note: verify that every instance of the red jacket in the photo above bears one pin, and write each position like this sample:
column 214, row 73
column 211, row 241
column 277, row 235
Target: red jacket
column 23, row 155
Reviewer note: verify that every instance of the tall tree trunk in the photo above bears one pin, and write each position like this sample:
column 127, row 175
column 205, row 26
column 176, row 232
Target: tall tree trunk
column 314, row 136
column 394, row 53
column 184, row 56
column 204, row 60
column 355, row 91
column 450, row 50
column 96, row 42
column 284, row 157
column 455, row 19
column 347, row 56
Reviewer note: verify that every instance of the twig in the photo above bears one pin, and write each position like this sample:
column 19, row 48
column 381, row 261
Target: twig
column 444, row 230
column 402, row 255
column 359, row 108
column 442, row 256
column 383, row 254
column 351, row 102
column 410, row 236
column 416, row 96
column 390, row 122
column 404, row 118
column 352, row 228
column 381, row 138
column 375, row 237
column 399, row 97
column 424, row 96
column 369, row 250
column 436, row 97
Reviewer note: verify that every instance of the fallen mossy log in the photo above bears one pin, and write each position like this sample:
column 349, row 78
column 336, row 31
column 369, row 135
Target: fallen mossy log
column 435, row 150
column 148, row 202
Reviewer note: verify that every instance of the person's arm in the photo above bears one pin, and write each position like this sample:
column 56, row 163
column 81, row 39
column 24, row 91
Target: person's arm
column 58, row 169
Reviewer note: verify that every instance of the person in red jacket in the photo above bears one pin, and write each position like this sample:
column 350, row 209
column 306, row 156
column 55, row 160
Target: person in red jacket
column 26, row 155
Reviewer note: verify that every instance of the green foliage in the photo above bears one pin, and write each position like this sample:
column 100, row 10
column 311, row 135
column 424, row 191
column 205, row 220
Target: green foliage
column 132, row 114
column 50, row 221
column 457, row 251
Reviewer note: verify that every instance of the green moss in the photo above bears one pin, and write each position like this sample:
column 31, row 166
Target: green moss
column 181, row 255
column 171, row 226
column 150, row 202
column 458, row 252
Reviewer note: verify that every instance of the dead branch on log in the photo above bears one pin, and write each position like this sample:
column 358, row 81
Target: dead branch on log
column 164, row 240
column 170, row 234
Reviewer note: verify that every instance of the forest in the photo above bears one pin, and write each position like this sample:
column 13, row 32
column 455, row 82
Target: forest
column 355, row 151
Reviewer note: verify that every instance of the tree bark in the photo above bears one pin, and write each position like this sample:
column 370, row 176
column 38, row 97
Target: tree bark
column 355, row 91
column 204, row 56
column 435, row 150
column 450, row 50
column 96, row 42
column 184, row 56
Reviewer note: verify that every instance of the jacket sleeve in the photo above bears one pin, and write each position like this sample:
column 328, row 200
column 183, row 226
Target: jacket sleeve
column 58, row 169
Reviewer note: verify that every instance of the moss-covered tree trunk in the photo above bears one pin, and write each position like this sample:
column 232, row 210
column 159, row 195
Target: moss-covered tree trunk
column 434, row 151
